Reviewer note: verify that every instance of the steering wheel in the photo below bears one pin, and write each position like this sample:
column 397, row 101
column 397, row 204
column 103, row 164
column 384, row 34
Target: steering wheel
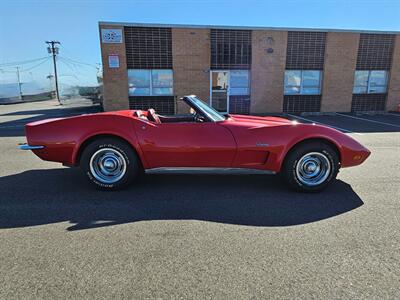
column 152, row 116
column 198, row 118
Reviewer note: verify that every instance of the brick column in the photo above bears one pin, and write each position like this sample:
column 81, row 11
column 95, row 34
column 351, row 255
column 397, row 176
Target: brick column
column 339, row 67
column 394, row 82
column 267, row 70
column 191, row 63
column 115, row 80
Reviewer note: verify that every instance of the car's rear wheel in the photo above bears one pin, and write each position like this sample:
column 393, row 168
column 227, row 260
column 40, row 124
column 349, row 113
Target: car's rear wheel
column 110, row 163
column 311, row 167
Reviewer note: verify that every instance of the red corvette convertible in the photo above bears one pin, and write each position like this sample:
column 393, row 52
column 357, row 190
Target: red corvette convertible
column 114, row 148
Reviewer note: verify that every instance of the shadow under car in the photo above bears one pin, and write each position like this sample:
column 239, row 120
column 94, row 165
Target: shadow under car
column 41, row 197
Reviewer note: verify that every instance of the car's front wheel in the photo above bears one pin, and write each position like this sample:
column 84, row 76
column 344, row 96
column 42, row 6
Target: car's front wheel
column 110, row 163
column 311, row 166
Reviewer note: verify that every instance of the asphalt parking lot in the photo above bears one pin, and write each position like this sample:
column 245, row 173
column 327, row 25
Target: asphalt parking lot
column 201, row 236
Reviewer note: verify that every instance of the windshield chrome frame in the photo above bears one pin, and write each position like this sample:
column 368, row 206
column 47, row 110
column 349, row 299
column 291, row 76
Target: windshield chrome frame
column 190, row 101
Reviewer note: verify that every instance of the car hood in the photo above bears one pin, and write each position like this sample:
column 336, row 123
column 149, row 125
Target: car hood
column 268, row 121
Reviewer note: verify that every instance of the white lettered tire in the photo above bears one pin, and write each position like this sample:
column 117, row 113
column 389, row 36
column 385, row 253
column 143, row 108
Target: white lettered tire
column 311, row 167
column 110, row 163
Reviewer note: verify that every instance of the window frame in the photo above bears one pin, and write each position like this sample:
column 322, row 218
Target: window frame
column 247, row 87
column 301, row 87
column 151, row 87
column 368, row 90
column 148, row 71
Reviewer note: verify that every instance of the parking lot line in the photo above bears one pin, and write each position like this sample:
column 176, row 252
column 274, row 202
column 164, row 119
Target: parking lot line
column 12, row 126
column 367, row 120
column 312, row 121
column 397, row 115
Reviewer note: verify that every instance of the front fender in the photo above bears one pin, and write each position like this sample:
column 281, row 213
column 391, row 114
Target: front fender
column 347, row 147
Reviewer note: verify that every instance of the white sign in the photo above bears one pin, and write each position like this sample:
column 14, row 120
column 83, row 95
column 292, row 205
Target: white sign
column 113, row 61
column 111, row 36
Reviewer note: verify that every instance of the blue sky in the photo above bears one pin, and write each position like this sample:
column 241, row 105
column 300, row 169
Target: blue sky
column 25, row 25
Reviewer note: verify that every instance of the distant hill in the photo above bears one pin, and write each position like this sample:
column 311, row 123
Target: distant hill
column 10, row 90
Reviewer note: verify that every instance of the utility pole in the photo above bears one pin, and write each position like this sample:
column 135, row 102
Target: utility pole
column 19, row 84
column 50, row 78
column 54, row 51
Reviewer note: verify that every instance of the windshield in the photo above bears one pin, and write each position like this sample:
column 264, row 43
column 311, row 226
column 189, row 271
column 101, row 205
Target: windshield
column 209, row 111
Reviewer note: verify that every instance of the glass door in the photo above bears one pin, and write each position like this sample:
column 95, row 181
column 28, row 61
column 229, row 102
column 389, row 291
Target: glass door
column 220, row 90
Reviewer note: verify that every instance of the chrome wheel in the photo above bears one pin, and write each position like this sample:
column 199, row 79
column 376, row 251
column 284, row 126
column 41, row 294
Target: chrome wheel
column 108, row 165
column 313, row 168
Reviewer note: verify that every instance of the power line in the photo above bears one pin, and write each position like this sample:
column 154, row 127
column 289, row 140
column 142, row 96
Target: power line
column 76, row 69
column 71, row 57
column 5, row 71
column 78, row 62
column 81, row 79
column 35, row 66
column 69, row 75
column 71, row 66
column 10, row 64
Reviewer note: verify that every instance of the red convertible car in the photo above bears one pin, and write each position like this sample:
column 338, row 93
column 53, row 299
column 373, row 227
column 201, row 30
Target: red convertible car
column 114, row 148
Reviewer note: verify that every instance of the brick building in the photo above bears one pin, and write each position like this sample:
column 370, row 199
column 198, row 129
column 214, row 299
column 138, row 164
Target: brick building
column 249, row 70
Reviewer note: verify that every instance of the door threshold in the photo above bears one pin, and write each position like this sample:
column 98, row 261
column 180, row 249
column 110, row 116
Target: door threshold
column 208, row 170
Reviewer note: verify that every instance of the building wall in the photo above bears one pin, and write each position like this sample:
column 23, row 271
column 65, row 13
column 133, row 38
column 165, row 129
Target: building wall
column 267, row 71
column 115, row 80
column 191, row 58
column 338, row 77
column 191, row 64
column 394, row 83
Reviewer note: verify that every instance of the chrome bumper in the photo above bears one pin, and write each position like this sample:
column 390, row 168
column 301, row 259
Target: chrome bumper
column 29, row 147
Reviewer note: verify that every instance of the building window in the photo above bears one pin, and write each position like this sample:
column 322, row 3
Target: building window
column 148, row 47
column 370, row 82
column 305, row 50
column 302, row 82
column 230, row 49
column 375, row 51
column 239, row 82
column 150, row 82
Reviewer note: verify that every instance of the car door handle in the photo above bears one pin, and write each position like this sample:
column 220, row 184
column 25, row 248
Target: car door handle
column 144, row 127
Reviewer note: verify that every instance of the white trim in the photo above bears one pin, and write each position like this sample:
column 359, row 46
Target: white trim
column 367, row 120
column 227, row 90
column 104, row 23
column 151, row 82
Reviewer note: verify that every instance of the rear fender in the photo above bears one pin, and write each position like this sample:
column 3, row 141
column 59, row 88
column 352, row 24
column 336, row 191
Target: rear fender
column 63, row 138
column 102, row 134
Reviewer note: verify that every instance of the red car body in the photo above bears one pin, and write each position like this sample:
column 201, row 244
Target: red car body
column 237, row 142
